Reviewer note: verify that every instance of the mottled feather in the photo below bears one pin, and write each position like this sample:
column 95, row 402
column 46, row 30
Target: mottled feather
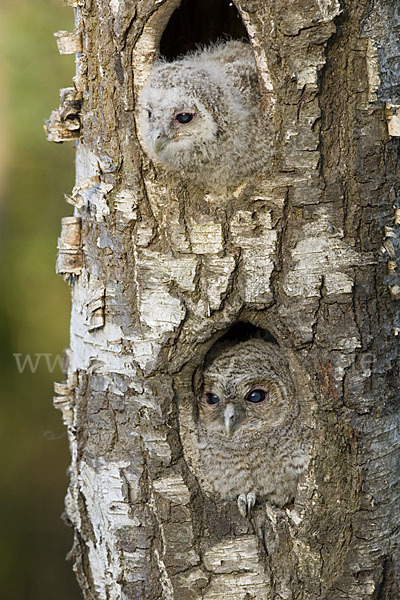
column 267, row 448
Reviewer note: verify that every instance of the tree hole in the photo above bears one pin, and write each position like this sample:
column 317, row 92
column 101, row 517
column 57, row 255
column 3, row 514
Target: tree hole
column 243, row 331
column 200, row 22
column 239, row 332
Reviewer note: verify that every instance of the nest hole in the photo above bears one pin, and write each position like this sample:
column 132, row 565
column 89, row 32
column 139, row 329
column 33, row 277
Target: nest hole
column 200, row 22
column 239, row 332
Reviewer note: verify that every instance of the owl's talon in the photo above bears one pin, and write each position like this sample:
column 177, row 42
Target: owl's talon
column 246, row 503
column 251, row 500
column 242, row 505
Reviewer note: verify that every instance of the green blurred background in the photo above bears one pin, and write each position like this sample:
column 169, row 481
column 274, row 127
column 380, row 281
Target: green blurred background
column 34, row 303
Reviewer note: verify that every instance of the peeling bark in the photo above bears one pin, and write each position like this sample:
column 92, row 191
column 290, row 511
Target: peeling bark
column 159, row 273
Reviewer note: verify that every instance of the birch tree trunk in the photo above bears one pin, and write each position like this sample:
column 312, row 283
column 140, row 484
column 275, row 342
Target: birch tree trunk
column 158, row 274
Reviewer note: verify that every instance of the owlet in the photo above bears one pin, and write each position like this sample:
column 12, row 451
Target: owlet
column 200, row 117
column 252, row 441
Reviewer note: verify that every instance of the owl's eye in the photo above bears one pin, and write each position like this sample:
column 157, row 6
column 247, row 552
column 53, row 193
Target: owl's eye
column 212, row 399
column 149, row 113
column 256, row 396
column 184, row 118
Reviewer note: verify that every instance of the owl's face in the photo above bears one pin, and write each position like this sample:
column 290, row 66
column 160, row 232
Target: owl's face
column 175, row 127
column 242, row 394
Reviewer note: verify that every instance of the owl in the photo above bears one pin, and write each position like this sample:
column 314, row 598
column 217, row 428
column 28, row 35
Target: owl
column 252, row 441
column 201, row 118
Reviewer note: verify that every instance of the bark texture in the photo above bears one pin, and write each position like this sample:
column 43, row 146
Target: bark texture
column 159, row 273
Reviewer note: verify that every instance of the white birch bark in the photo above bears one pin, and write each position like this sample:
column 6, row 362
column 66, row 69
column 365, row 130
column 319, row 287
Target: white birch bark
column 157, row 274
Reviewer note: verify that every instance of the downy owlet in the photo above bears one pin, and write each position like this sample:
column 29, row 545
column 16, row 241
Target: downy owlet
column 252, row 442
column 201, row 118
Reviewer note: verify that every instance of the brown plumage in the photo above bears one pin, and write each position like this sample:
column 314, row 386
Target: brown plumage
column 252, row 441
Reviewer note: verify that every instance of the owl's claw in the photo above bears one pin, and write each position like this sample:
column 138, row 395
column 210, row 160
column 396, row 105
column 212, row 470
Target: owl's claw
column 251, row 500
column 242, row 504
column 246, row 503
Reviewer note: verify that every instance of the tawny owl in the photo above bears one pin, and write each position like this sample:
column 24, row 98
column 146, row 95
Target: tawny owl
column 252, row 441
column 201, row 118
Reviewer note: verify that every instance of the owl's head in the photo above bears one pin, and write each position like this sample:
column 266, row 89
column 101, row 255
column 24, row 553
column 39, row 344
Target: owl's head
column 246, row 391
column 175, row 127
column 185, row 115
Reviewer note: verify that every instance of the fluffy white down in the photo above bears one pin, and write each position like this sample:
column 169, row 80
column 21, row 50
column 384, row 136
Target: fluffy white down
column 228, row 138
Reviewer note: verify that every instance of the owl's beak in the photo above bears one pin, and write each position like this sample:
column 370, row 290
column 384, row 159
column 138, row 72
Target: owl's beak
column 229, row 415
column 160, row 140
